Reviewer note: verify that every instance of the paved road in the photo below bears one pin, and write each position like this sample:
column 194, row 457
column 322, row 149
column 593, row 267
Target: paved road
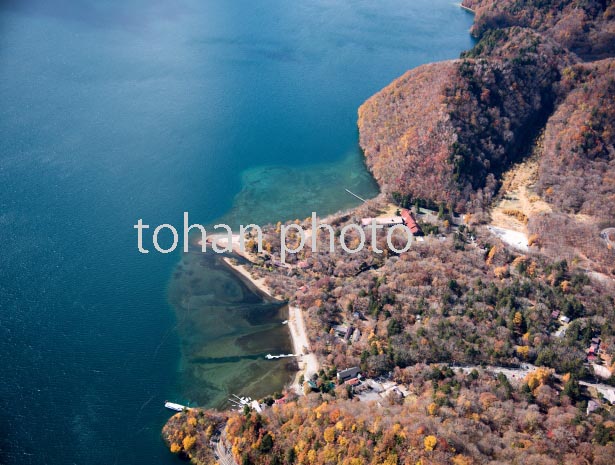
column 518, row 374
column 513, row 374
column 223, row 453
column 607, row 391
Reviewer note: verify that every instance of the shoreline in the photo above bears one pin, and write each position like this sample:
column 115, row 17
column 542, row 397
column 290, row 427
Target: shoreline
column 301, row 344
column 462, row 6
column 306, row 359
column 259, row 283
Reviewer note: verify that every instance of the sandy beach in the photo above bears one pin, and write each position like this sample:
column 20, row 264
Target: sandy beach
column 259, row 283
column 306, row 359
column 308, row 363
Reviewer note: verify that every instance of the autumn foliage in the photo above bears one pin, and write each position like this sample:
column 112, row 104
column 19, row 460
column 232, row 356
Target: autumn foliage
column 443, row 134
column 577, row 170
column 583, row 26
column 479, row 420
column 446, row 131
column 188, row 434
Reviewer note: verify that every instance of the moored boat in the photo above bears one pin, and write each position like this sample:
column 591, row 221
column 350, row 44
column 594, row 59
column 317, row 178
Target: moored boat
column 174, row 406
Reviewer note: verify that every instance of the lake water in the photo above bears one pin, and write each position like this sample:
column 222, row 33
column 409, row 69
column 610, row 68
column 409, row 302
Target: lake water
column 115, row 110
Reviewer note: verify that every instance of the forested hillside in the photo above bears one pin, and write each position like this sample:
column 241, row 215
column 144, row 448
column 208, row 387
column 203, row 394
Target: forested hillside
column 406, row 133
column 584, row 26
column 449, row 418
column 577, row 169
column 447, row 131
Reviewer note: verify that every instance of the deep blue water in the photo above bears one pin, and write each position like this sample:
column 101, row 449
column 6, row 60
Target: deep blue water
column 116, row 110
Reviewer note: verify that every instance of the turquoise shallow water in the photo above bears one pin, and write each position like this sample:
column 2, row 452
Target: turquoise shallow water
column 115, row 110
column 225, row 331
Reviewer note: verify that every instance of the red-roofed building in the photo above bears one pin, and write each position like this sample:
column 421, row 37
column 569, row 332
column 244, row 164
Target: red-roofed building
column 409, row 221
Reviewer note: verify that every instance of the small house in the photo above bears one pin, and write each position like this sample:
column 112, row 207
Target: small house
column 366, row 221
column 256, row 406
column 564, row 319
column 601, row 371
column 382, row 221
column 348, row 374
column 389, row 220
column 409, row 221
column 341, row 331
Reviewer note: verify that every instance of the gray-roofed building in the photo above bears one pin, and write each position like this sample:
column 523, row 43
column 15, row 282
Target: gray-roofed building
column 348, row 373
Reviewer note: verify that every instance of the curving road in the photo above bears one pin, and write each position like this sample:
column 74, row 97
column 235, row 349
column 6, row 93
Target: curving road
column 516, row 375
column 223, row 453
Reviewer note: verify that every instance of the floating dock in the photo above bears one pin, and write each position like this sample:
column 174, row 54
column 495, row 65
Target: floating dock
column 175, row 407
column 271, row 357
column 355, row 195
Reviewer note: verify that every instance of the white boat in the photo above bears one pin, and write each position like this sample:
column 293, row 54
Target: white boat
column 240, row 402
column 174, row 406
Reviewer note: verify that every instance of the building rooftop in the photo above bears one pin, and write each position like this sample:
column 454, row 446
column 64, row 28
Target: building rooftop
column 382, row 220
column 348, row 373
column 409, row 220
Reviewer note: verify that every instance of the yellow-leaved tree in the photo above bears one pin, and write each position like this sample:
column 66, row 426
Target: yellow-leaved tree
column 329, row 434
column 430, row 442
column 175, row 448
column 432, row 409
column 539, row 377
column 188, row 442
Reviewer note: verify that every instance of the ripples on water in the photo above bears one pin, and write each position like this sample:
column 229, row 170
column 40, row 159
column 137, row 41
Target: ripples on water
column 115, row 110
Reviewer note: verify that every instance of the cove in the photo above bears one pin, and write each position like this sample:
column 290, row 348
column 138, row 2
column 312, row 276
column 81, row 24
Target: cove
column 236, row 111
